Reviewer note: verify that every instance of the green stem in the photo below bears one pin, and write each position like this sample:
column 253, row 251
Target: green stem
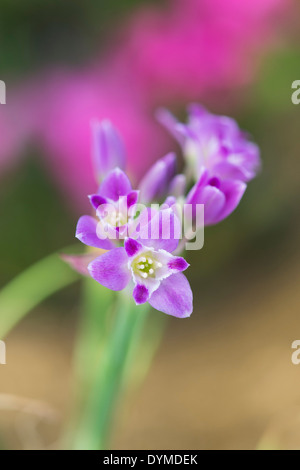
column 98, row 303
column 93, row 333
column 105, row 391
column 30, row 288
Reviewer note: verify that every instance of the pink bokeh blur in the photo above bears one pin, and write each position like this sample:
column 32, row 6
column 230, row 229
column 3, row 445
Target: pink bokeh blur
column 188, row 50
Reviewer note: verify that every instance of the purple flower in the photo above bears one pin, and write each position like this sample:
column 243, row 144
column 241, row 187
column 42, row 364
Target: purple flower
column 219, row 197
column 214, row 143
column 156, row 275
column 108, row 149
column 114, row 204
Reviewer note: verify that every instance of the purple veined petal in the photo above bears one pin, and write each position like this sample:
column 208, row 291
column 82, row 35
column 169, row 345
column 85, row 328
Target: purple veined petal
column 86, row 232
column 178, row 186
column 169, row 264
column 155, row 183
column 168, row 120
column 173, row 297
column 233, row 192
column 178, row 264
column 108, row 148
column 140, row 294
column 111, row 269
column 80, row 262
column 132, row 247
column 97, row 200
column 162, row 232
column 115, row 184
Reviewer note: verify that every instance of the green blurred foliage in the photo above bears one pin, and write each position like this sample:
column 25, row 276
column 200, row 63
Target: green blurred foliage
column 34, row 33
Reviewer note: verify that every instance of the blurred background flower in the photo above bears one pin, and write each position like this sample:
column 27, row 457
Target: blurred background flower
column 66, row 63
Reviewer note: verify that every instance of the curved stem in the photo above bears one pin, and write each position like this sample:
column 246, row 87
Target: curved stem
column 30, row 288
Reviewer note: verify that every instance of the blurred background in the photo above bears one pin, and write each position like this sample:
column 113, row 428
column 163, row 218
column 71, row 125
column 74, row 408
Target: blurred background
column 224, row 378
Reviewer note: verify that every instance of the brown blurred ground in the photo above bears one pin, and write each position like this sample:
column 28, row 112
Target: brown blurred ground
column 221, row 380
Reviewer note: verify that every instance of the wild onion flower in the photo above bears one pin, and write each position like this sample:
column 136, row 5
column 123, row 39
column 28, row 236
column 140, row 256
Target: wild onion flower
column 155, row 273
column 138, row 247
column 215, row 143
column 219, row 158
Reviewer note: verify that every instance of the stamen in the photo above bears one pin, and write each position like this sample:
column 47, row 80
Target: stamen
column 141, row 266
column 151, row 271
column 142, row 259
column 144, row 275
column 159, row 265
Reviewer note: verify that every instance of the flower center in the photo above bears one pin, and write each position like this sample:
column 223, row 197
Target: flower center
column 113, row 216
column 145, row 265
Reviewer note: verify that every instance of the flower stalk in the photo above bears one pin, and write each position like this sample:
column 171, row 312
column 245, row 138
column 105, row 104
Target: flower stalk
column 102, row 400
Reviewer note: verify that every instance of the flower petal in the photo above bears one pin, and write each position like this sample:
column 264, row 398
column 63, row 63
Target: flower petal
column 140, row 294
column 132, row 247
column 108, row 148
column 80, row 262
column 96, row 200
column 111, row 269
column 169, row 121
column 210, row 196
column 86, row 232
column 155, row 183
column 115, row 184
column 162, row 232
column 178, row 186
column 173, row 297
column 233, row 192
column 169, row 264
column 132, row 198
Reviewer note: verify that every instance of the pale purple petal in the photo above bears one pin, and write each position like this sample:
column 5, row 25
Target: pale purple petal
column 115, row 184
column 170, row 201
column 178, row 186
column 86, row 232
column 239, row 164
column 169, row 264
column 233, row 192
column 162, row 232
column 211, row 197
column 108, row 148
column 79, row 262
column 173, row 297
column 169, row 121
column 156, row 182
column 111, row 269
